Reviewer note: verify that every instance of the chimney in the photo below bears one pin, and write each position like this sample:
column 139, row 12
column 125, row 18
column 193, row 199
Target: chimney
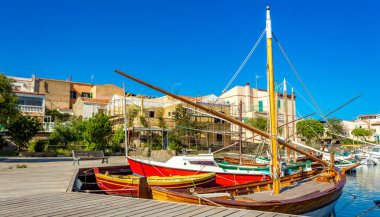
column 247, row 97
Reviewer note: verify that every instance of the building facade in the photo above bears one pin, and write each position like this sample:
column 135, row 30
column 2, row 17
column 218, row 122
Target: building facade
column 370, row 122
column 255, row 103
column 158, row 115
column 29, row 102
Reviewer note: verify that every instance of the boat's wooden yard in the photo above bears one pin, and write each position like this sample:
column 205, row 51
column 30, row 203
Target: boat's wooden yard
column 41, row 190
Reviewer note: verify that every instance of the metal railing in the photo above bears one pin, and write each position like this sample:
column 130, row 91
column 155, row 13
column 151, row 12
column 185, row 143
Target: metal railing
column 31, row 108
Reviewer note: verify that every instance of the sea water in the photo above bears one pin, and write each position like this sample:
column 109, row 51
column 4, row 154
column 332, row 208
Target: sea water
column 358, row 193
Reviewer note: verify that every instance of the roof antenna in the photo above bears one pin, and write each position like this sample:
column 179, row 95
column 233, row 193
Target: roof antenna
column 92, row 78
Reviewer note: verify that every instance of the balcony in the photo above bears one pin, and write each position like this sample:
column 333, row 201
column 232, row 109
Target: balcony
column 31, row 109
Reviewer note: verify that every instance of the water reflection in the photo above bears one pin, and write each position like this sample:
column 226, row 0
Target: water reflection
column 359, row 191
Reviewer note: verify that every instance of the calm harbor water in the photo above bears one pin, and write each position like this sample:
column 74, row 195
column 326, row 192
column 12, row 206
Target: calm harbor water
column 365, row 185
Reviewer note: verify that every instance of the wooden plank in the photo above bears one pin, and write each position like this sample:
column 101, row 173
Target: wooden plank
column 196, row 209
column 137, row 209
column 55, row 204
column 242, row 213
column 211, row 212
column 177, row 210
column 227, row 212
column 104, row 207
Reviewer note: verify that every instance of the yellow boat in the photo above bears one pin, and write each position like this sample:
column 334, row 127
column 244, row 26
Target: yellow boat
column 128, row 184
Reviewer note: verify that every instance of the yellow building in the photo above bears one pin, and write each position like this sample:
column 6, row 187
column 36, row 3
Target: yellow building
column 156, row 116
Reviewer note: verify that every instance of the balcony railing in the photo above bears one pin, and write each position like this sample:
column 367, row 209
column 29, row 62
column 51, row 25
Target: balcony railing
column 31, row 108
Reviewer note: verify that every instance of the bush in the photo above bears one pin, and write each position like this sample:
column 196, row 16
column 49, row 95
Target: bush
column 39, row 145
column 61, row 151
column 22, row 129
column 97, row 132
column 117, row 139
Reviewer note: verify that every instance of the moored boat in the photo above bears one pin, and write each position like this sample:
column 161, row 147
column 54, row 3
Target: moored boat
column 128, row 184
column 314, row 197
column 192, row 165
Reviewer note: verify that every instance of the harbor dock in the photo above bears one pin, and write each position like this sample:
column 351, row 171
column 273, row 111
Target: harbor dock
column 43, row 188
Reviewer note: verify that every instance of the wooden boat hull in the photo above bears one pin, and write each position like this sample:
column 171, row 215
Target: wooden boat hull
column 128, row 185
column 222, row 178
column 309, row 203
column 245, row 162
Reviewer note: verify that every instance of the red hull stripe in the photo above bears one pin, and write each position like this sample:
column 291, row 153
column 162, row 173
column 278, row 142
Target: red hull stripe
column 223, row 179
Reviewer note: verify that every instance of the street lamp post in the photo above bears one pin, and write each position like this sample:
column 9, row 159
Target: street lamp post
column 257, row 78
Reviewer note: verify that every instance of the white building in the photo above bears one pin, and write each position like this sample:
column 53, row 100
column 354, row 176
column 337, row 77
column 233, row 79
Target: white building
column 371, row 121
column 29, row 102
column 255, row 103
column 88, row 107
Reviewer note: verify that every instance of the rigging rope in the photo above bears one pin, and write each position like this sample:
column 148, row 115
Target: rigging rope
column 243, row 63
column 304, row 86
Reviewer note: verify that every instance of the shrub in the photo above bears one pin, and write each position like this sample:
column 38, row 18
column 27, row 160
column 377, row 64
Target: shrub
column 61, row 151
column 39, row 145
column 117, row 138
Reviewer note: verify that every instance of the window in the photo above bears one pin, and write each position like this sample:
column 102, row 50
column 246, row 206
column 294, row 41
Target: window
column 279, row 104
column 30, row 101
column 151, row 114
column 203, row 163
column 86, row 95
column 73, row 95
column 46, row 87
column 260, row 106
column 219, row 137
column 17, row 88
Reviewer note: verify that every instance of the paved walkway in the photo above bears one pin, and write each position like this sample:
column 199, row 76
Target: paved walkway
column 41, row 175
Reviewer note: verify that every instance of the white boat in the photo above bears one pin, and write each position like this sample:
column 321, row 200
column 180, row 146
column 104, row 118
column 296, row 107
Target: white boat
column 195, row 164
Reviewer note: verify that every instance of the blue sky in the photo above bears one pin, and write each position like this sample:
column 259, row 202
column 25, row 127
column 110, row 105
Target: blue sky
column 200, row 44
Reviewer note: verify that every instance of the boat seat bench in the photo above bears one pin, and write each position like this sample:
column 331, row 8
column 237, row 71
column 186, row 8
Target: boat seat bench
column 88, row 155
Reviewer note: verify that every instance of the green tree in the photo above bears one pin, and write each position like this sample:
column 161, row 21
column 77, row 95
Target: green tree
column 56, row 115
column 259, row 122
column 362, row 133
column 310, row 129
column 131, row 115
column 8, row 101
column 117, row 138
column 97, row 132
column 182, row 122
column 66, row 133
column 22, row 129
column 143, row 121
column 334, row 127
column 160, row 116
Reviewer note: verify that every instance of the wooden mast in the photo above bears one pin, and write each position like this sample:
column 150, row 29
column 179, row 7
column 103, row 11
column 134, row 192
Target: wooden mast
column 272, row 108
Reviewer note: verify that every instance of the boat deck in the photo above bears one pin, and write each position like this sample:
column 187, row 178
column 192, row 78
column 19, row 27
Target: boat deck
column 290, row 192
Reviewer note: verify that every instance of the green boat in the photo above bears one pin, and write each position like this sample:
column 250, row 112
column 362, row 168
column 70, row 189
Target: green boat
column 288, row 169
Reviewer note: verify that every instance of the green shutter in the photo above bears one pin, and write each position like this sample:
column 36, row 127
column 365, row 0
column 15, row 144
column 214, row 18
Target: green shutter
column 260, row 106
column 278, row 103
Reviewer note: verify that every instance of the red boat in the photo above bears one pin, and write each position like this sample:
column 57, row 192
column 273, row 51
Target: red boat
column 192, row 165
